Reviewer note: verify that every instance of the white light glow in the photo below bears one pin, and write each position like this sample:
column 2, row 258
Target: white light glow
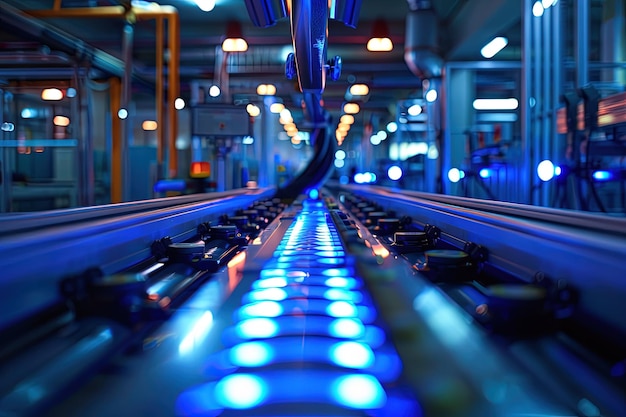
column 392, row 127
column 455, row 175
column 251, row 354
column 431, row 96
column 394, row 173
column 359, row 391
column 179, row 104
column 258, row 327
column 495, row 104
column 493, row 47
column 198, row 333
column 414, row 110
column 241, row 391
column 545, row 170
column 352, row 355
column 214, row 91
column 538, row 9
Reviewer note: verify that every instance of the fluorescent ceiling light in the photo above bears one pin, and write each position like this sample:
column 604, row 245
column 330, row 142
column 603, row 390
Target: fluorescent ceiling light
column 493, row 47
column 379, row 45
column 495, row 104
column 205, row 5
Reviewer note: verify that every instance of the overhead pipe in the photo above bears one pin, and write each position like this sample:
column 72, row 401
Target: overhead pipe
column 421, row 46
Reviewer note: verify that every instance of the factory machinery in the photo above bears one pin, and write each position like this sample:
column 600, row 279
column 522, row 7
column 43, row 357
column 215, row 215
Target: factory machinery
column 341, row 301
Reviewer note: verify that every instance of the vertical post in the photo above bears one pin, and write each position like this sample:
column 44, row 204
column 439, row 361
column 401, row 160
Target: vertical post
column 582, row 42
column 173, row 91
column 526, row 171
column 116, row 140
column 127, row 56
column 557, row 82
column 159, row 96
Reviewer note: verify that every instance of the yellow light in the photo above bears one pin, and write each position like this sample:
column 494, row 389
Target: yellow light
column 343, row 127
column 149, row 125
column 296, row 140
column 276, row 108
column 347, row 119
column 253, row 110
column 289, row 127
column 292, row 133
column 359, row 90
column 351, row 108
column 340, row 135
column 379, row 45
column 61, row 121
column 234, row 45
column 51, row 94
column 266, row 89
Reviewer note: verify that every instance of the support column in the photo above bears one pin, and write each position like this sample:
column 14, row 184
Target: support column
column 526, row 175
column 460, row 81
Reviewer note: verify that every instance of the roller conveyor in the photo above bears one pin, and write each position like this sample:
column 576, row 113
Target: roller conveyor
column 325, row 308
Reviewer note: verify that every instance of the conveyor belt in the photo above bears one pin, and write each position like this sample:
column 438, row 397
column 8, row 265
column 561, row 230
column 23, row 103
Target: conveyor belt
column 321, row 312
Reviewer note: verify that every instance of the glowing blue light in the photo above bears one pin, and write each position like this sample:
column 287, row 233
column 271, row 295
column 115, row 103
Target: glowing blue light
column 257, row 328
column 241, row 391
column 359, row 391
column 251, row 354
column 337, row 272
column 274, row 282
column 314, row 194
column 330, row 261
column 341, row 309
column 346, row 328
column 557, row 170
column 341, row 282
column 276, row 272
column 352, row 355
column 261, row 309
column 330, row 254
column 197, row 334
column 545, row 170
column 455, row 175
column 272, row 294
column 339, row 294
column 601, row 175
column 484, row 173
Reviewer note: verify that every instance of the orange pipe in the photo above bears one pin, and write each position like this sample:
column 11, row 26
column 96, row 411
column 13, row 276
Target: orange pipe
column 159, row 93
column 95, row 12
column 173, row 91
column 116, row 140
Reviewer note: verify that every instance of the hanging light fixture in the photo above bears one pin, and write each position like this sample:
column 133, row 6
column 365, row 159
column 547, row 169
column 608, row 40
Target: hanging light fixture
column 234, row 41
column 380, row 40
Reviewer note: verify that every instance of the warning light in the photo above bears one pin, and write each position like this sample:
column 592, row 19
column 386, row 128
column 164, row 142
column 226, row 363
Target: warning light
column 200, row 169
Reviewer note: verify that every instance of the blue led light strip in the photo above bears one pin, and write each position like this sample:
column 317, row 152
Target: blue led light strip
column 304, row 336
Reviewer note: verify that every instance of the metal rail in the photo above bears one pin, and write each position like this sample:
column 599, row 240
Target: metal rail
column 585, row 251
column 110, row 238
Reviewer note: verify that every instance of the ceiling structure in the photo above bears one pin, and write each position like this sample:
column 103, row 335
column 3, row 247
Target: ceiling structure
column 463, row 27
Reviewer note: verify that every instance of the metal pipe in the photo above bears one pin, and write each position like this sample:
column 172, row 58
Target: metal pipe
column 173, row 89
column 116, row 140
column 525, row 174
column 127, row 56
column 159, row 94
column 582, row 42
